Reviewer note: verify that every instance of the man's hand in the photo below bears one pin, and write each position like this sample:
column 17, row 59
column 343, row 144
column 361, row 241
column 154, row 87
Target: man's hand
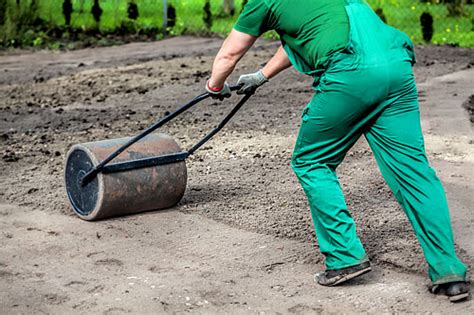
column 250, row 82
column 234, row 47
column 219, row 92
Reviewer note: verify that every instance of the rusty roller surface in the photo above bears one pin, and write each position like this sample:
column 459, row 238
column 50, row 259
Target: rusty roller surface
column 126, row 192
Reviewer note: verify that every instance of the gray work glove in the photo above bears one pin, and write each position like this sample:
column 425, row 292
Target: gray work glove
column 219, row 94
column 250, row 82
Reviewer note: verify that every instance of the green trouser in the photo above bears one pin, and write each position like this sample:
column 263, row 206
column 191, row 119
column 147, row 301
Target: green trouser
column 369, row 89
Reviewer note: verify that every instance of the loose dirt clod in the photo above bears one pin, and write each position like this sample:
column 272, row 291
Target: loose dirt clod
column 469, row 106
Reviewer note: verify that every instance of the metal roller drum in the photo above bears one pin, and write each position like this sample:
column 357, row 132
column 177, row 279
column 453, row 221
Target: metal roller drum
column 111, row 194
column 130, row 175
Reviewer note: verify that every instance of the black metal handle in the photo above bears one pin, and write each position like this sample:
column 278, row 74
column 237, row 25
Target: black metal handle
column 165, row 159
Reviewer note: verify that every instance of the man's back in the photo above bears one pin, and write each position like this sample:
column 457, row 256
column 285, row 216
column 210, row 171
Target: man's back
column 314, row 29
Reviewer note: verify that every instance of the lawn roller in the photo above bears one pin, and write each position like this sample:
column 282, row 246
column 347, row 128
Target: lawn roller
column 149, row 175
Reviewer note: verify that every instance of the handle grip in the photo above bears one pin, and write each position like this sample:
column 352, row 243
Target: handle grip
column 236, row 87
column 99, row 167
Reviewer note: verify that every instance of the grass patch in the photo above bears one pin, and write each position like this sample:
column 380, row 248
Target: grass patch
column 28, row 25
column 405, row 15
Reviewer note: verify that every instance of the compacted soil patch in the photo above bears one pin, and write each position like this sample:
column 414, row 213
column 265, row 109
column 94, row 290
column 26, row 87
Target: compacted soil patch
column 241, row 178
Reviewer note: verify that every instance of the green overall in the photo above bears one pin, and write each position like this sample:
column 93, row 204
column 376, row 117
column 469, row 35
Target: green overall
column 368, row 88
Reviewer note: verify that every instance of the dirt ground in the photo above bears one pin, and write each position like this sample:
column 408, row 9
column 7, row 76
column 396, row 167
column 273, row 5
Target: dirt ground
column 241, row 240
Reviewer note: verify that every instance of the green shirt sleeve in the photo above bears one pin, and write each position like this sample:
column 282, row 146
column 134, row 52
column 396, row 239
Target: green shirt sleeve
column 254, row 19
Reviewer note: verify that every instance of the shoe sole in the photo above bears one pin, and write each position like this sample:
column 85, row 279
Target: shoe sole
column 459, row 297
column 349, row 277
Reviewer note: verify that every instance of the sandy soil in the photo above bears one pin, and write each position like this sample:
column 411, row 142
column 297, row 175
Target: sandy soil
column 241, row 239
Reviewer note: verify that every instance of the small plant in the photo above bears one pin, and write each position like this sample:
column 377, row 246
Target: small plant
column 67, row 11
column 171, row 14
column 381, row 15
column 207, row 15
column 3, row 11
column 96, row 12
column 426, row 21
column 132, row 10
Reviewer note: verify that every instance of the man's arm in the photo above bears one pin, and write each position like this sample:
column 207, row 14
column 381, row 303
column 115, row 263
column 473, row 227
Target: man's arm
column 233, row 48
column 277, row 64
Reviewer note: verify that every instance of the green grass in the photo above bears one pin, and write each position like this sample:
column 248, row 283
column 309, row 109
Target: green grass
column 189, row 14
column 402, row 14
column 405, row 15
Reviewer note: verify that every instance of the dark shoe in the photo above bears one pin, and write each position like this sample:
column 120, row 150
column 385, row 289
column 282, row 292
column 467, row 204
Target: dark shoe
column 456, row 291
column 334, row 277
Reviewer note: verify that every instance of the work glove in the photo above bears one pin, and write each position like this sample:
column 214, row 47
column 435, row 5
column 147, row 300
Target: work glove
column 220, row 94
column 250, row 82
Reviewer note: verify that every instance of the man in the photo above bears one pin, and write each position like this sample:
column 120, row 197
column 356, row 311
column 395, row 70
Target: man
column 364, row 85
